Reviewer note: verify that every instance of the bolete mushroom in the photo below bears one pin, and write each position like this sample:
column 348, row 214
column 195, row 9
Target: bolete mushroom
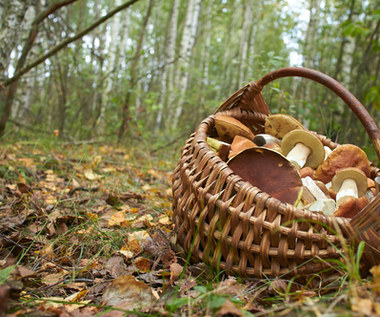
column 268, row 141
column 227, row 127
column 239, row 144
column 349, row 182
column 346, row 155
column 350, row 207
column 270, row 171
column 322, row 203
column 220, row 148
column 280, row 124
column 302, row 148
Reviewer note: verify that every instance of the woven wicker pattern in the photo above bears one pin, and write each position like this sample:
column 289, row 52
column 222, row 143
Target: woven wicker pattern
column 230, row 224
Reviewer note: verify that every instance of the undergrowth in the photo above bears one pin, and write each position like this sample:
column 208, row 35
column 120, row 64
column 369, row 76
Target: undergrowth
column 82, row 225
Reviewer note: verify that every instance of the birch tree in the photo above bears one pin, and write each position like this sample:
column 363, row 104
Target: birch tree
column 168, row 67
column 187, row 43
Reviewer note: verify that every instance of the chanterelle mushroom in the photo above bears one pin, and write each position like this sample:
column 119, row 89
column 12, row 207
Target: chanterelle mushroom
column 349, row 182
column 280, row 124
column 227, row 127
column 302, row 148
column 346, row 155
column 270, row 171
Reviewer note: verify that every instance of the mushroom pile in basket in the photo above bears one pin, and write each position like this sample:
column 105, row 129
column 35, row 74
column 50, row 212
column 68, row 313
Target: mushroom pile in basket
column 291, row 164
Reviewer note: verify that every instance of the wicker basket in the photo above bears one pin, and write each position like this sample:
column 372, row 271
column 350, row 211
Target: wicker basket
column 231, row 225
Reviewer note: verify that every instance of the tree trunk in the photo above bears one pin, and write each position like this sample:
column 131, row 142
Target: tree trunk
column 133, row 78
column 310, row 50
column 169, row 56
column 187, row 43
column 10, row 29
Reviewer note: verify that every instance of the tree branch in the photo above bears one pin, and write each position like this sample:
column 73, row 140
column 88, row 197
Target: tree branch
column 66, row 42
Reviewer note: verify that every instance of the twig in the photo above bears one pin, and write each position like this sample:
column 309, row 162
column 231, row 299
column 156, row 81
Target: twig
column 34, row 254
column 66, row 42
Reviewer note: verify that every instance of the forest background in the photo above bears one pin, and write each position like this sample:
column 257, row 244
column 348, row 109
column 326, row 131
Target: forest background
column 152, row 70
column 96, row 99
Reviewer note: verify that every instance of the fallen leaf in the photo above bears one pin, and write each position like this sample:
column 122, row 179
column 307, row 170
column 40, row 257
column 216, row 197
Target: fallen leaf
column 23, row 188
column 143, row 264
column 175, row 271
column 128, row 293
column 119, row 219
column 363, row 306
column 91, row 175
column 4, row 298
column 115, row 266
column 229, row 309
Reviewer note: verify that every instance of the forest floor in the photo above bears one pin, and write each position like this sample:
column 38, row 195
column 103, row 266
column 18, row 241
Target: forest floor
column 85, row 230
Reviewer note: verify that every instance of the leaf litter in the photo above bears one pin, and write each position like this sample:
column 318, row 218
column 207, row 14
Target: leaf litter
column 87, row 231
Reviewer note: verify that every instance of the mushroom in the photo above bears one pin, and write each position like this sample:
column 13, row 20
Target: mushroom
column 302, row 148
column 262, row 139
column 280, row 124
column 346, row 155
column 377, row 184
column 350, row 207
column 327, row 151
column 270, row 171
column 349, row 182
column 322, row 203
column 307, row 171
column 268, row 141
column 239, row 144
column 227, row 127
column 220, row 148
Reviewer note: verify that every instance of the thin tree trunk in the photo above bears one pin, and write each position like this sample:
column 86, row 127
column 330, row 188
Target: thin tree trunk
column 187, row 43
column 169, row 56
column 8, row 96
column 133, row 78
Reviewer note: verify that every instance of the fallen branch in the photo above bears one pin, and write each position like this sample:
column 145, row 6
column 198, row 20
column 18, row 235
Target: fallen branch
column 66, row 42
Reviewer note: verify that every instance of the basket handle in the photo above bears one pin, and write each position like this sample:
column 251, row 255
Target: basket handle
column 358, row 109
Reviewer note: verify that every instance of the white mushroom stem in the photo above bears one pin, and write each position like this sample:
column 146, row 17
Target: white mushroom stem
column 348, row 189
column 299, row 154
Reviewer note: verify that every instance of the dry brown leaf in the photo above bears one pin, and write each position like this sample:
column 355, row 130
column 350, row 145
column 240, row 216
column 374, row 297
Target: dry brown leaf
column 53, row 278
column 143, row 264
column 145, row 221
column 364, row 306
column 128, row 293
column 116, row 267
column 175, row 271
column 229, row 309
column 4, row 298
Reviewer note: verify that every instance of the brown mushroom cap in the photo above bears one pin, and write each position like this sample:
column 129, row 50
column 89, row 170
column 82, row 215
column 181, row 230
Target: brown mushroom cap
column 310, row 140
column 227, row 127
column 239, row 144
column 351, row 207
column 353, row 173
column 280, row 124
column 270, row 171
column 346, row 155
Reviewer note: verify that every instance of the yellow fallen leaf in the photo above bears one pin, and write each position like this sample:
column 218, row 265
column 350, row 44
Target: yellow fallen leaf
column 129, row 293
column 92, row 216
column 128, row 255
column 50, row 200
column 109, row 170
column 165, row 221
column 118, row 219
column 91, row 175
